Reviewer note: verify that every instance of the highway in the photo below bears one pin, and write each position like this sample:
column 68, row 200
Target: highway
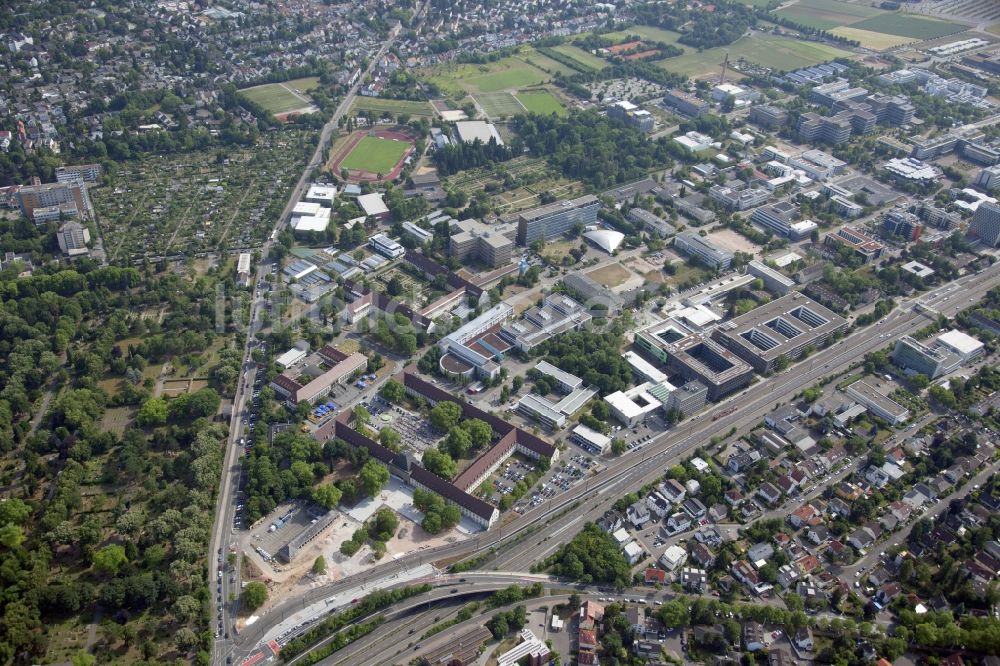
column 516, row 546
column 225, row 510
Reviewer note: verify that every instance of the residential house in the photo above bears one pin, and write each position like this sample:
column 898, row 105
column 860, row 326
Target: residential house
column 803, row 639
column 753, row 636
column 694, row 508
column 769, row 493
column 672, row 490
column 703, row 555
column 819, row 534
column 694, row 580
column 638, row 514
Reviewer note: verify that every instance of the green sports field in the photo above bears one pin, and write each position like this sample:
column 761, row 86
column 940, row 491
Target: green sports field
column 375, row 155
column 520, row 74
column 498, row 104
column 282, row 97
column 908, row 25
column 541, row 101
column 392, row 106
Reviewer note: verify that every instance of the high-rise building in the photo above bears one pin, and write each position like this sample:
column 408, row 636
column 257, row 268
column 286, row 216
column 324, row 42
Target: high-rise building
column 57, row 195
column 986, row 223
column 556, row 219
column 988, row 178
column 900, row 222
column 632, row 115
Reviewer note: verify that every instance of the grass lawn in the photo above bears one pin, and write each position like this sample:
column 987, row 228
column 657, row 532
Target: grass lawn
column 588, row 61
column 994, row 29
column 876, row 41
column 908, row 25
column 838, row 7
column 393, row 106
column 499, row 104
column 541, row 101
column 282, row 97
column 543, row 62
column 375, row 155
column 517, row 75
column 611, row 275
column 780, row 53
column 808, row 18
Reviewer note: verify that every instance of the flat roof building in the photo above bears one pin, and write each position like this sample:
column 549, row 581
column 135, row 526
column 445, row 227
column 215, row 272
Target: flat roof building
column 986, row 223
column 784, row 328
column 373, row 205
column 653, row 223
column 73, row 238
column 321, row 193
column 773, row 280
column 961, row 344
column 695, row 357
column 917, row 358
column 454, row 344
column 590, row 440
column 695, row 246
column 686, row 103
column 386, row 246
column 557, row 314
column 468, row 131
column 878, row 404
column 632, row 406
column 556, row 219
column 865, row 246
column 493, row 246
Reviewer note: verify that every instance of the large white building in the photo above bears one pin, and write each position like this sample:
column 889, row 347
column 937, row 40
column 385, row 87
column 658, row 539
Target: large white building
column 468, row 131
column 386, row 246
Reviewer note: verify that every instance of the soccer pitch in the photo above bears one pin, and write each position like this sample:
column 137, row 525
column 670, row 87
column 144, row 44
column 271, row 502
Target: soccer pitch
column 375, row 155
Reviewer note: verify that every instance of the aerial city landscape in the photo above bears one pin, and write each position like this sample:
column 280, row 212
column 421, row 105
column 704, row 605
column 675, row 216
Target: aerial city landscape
column 418, row 332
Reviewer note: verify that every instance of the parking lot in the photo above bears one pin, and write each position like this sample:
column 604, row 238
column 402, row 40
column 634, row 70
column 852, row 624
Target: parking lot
column 415, row 431
column 559, row 479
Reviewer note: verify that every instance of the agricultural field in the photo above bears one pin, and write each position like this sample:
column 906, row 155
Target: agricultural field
column 826, row 14
column 908, row 25
column 282, row 97
column 780, row 53
column 375, row 155
column 547, row 64
column 195, row 202
column 393, row 107
column 587, row 61
column 498, row 104
column 541, row 101
column 876, row 41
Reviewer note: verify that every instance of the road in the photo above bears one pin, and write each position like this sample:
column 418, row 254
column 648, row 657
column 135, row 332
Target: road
column 225, row 509
column 517, row 548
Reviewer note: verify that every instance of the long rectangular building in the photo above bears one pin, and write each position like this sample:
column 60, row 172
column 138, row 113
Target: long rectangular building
column 556, row 219
column 784, row 328
column 695, row 246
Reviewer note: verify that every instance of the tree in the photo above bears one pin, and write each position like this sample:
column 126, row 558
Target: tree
column 385, row 524
column 445, row 415
column 185, row 639
column 362, row 416
column 319, row 566
column 152, row 413
column 373, row 477
column 254, row 595
column 349, row 547
column 440, row 463
column 389, row 438
column 109, row 559
column 673, row 614
column 458, row 444
column 479, row 431
column 618, row 446
column 393, row 391
column 327, row 495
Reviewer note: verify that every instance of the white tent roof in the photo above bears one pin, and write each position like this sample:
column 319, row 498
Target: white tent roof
column 605, row 239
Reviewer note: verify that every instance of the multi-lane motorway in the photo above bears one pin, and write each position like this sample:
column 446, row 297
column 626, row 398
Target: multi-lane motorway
column 520, row 541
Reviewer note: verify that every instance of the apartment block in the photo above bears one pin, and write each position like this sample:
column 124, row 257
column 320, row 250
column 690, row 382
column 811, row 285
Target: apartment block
column 557, row 219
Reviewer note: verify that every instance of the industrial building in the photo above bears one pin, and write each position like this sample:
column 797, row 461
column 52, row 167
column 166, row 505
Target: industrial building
column 373, row 206
column 784, row 328
column 556, row 219
column 695, row 246
column 557, row 314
